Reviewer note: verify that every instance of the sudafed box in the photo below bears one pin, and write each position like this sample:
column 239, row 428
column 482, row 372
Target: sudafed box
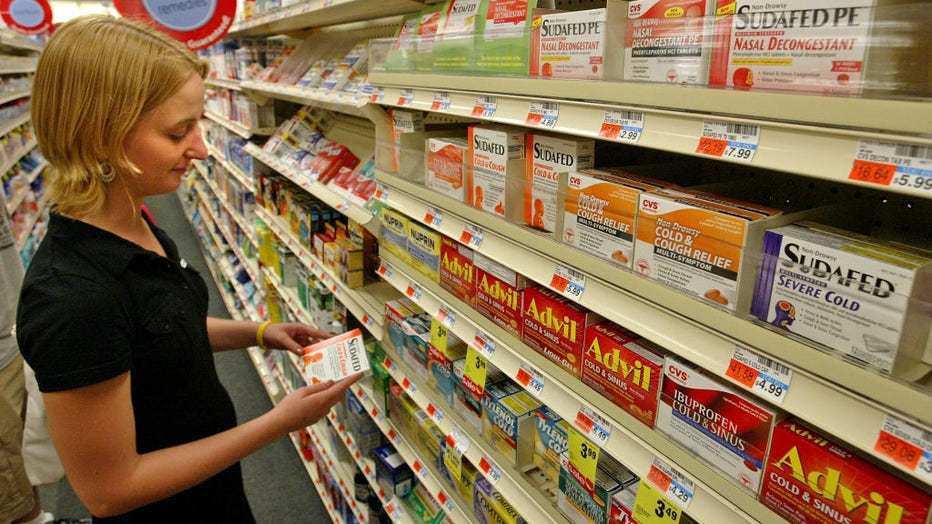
column 336, row 358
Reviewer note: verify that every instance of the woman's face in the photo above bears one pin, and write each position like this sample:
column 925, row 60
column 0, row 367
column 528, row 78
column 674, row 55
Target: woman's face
column 166, row 139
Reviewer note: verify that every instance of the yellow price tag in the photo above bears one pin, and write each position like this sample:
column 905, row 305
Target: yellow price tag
column 584, row 457
column 438, row 336
column 475, row 372
column 651, row 507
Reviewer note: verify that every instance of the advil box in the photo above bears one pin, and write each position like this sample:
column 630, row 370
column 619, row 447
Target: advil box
column 623, row 369
column 812, row 480
column 547, row 157
column 555, row 327
column 728, row 430
column 457, row 271
column 500, row 294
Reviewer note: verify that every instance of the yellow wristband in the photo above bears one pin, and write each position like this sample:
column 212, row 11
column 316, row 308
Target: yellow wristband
column 260, row 332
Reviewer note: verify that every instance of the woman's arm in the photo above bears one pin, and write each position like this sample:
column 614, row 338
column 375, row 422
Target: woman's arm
column 94, row 432
column 225, row 334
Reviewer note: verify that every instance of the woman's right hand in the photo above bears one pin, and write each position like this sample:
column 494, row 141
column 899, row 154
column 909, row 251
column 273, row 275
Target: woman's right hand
column 309, row 404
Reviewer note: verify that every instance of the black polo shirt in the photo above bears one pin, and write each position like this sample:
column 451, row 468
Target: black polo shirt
column 94, row 306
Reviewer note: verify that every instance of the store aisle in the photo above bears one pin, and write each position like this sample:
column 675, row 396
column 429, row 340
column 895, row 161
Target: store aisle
column 277, row 484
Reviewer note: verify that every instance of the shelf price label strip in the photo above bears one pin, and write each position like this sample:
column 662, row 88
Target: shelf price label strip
column 441, row 101
column 729, row 140
column 764, row 377
column 626, row 126
column 902, row 167
column 907, row 446
column 542, row 114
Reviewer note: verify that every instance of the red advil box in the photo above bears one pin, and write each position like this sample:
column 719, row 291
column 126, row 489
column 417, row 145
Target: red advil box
column 457, row 271
column 812, row 480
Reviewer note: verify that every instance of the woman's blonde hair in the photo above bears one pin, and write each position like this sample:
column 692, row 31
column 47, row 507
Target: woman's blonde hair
column 96, row 76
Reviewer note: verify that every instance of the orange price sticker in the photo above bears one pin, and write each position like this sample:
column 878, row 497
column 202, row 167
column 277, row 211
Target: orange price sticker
column 533, row 119
column 872, row 172
column 559, row 283
column 659, row 478
column 742, row 373
column 898, row 450
column 711, row 146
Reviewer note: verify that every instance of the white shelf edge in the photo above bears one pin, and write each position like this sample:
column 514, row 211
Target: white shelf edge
column 12, row 69
column 677, row 322
column 338, row 470
column 241, row 130
column 241, row 177
column 716, row 499
column 356, row 104
column 311, row 469
column 17, row 199
column 225, row 83
column 8, row 126
column 239, row 219
column 320, row 13
column 9, row 97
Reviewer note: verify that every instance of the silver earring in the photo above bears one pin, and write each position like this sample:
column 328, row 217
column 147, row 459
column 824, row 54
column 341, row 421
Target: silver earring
column 106, row 172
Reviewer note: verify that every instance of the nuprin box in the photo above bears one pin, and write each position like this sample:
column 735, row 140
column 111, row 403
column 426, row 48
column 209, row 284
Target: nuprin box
column 730, row 431
column 812, row 480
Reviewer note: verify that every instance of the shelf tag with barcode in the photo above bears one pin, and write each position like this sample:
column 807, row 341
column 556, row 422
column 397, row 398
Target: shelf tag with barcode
column 408, row 386
column 543, row 114
column 568, row 281
column 490, row 470
column 405, row 97
column 765, row 377
column 474, row 373
column 729, row 140
column 626, row 126
column 652, row 507
column 393, row 508
column 530, row 379
column 434, row 413
column 433, row 217
column 419, row 469
column 381, row 192
column 414, row 292
column 445, row 501
column 583, row 457
column 385, row 271
column 441, row 101
column 446, row 317
column 378, row 94
column 471, row 236
column 483, row 343
column 485, row 106
column 677, row 487
column 902, row 167
column 458, row 441
column 593, row 425
column 907, row 445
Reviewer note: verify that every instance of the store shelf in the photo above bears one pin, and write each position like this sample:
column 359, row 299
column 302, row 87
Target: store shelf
column 16, row 95
column 531, row 504
column 632, row 443
column 365, row 303
column 17, row 199
column 814, row 136
column 241, row 130
column 311, row 469
column 224, row 83
column 320, row 13
column 356, row 104
column 11, row 39
column 8, row 126
column 237, row 173
column 31, row 224
column 454, row 506
column 332, row 198
column 337, row 468
column 698, row 332
column 289, row 297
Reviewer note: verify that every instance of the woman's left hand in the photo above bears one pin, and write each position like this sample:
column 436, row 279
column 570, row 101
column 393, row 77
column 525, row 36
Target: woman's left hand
column 291, row 336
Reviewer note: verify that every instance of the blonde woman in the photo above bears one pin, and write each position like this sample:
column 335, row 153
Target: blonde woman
column 113, row 322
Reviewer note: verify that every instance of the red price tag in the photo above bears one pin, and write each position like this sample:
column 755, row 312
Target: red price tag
column 659, row 478
column 442, row 498
column 523, row 377
column 533, row 119
column 583, row 422
column 559, row 283
column 742, row 373
column 477, row 111
column 872, row 172
column 484, row 465
column 898, row 450
column 609, row 130
column 392, row 435
column 711, row 146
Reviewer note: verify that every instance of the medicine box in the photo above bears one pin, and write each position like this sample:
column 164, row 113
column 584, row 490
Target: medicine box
column 424, row 250
column 582, row 505
column 623, row 368
column 396, row 313
column 812, row 479
column 569, row 44
column 427, row 26
column 336, row 358
column 395, row 234
column 465, row 404
column 669, row 41
column 548, row 157
column 497, row 170
column 550, row 441
column 423, row 505
column 447, row 161
column 491, row 507
column 555, row 327
column 508, row 421
column 857, row 295
column 729, row 430
column 504, row 46
column 457, row 270
column 391, row 472
column 444, row 348
column 499, row 294
column 455, row 41
column 401, row 54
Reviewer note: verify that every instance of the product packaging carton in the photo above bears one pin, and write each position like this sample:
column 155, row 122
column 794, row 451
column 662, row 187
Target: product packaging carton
column 569, row 44
column 811, row 479
column 444, row 348
column 508, row 421
column 456, row 39
column 623, row 368
column 391, row 472
column 457, row 270
column 550, row 442
column 395, row 234
column 500, row 294
column 401, row 54
column 504, row 46
column 729, row 430
column 427, row 26
column 424, row 250
column 336, row 358
column 447, row 164
column 548, row 157
column 861, row 296
column 582, row 504
column 555, row 327
column 496, row 170
column 490, row 507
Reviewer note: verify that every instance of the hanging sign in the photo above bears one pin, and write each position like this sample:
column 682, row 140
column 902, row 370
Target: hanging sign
column 195, row 23
column 28, row 17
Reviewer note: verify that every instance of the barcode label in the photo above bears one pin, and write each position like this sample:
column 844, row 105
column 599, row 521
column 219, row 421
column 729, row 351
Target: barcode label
column 776, row 366
column 913, row 151
column 742, row 129
column 549, row 106
column 630, row 115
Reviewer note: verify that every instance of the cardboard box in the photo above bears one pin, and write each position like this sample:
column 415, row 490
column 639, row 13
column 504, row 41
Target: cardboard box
column 394, row 237
column 401, row 55
column 728, row 429
column 424, row 250
column 336, row 358
column 457, row 270
column 465, row 404
column 444, row 348
column 623, row 505
column 548, row 156
column 427, row 26
column 568, row 44
column 550, row 442
column 555, row 327
column 669, row 41
column 490, row 507
column 497, row 170
column 423, row 505
column 508, row 421
column 457, row 35
column 857, row 295
column 447, row 161
column 811, row 479
column 391, row 472
column 623, row 368
column 499, row 294
column 504, row 46
column 580, row 504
